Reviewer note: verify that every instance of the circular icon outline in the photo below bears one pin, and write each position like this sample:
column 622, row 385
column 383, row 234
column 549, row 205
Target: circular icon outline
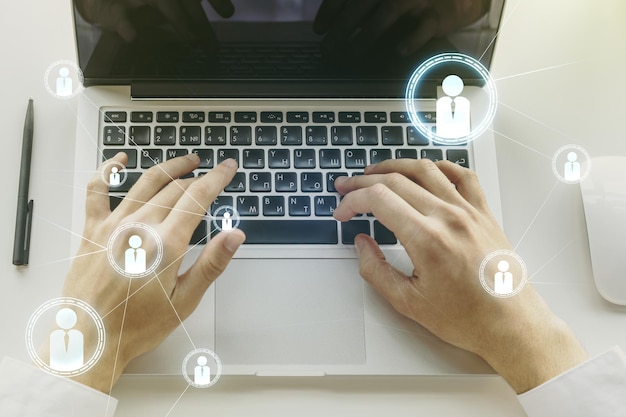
column 218, row 372
column 79, row 75
column 121, row 170
column 236, row 218
column 511, row 254
column 155, row 264
column 431, row 63
column 571, row 147
column 74, row 302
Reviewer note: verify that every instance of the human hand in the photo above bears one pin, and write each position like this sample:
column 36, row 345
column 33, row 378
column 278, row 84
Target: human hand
column 439, row 214
column 139, row 313
column 186, row 16
column 355, row 26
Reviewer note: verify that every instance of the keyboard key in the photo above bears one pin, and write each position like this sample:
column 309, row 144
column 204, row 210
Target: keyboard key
column 379, row 155
column 279, row 158
column 167, row 116
column 254, row 158
column 349, row 117
column 265, row 135
column 400, row 117
column 260, row 182
column 165, row 135
column 215, row 135
column 432, row 154
column 323, row 117
column 291, row 135
column 291, row 232
column 175, row 153
column 382, row 235
column 286, row 182
column 193, row 117
column 350, row 229
column 151, row 157
column 415, row 138
column 206, row 158
column 114, row 201
column 299, row 205
column 341, row 135
column 248, row 206
column 330, row 180
column 406, row 153
column 330, row 158
column 131, row 153
column 219, row 117
column 190, row 135
column 131, row 179
column 367, row 135
column 427, row 116
column 311, row 182
column 199, row 236
column 115, row 117
column 297, row 117
column 355, row 158
column 304, row 158
column 392, row 135
column 114, row 135
column 316, row 135
column 141, row 117
column 271, row 117
column 241, row 135
column 274, row 206
column 221, row 201
column 139, row 135
column 375, row 117
column 224, row 154
column 238, row 184
column 325, row 205
column 458, row 156
column 245, row 117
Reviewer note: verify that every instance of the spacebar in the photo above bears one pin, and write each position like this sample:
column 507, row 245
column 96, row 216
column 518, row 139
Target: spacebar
column 289, row 231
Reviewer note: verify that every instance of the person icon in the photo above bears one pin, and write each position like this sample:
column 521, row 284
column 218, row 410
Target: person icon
column 227, row 222
column 572, row 167
column 453, row 110
column 202, row 373
column 135, row 256
column 66, row 343
column 64, row 83
column 503, row 279
column 114, row 177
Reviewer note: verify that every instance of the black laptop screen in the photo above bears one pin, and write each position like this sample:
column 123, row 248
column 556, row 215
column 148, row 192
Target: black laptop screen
column 326, row 43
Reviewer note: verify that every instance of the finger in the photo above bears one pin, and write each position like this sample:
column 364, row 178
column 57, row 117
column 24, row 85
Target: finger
column 161, row 205
column 423, row 172
column 97, row 201
column 387, row 280
column 212, row 262
column 193, row 204
column 201, row 25
column 466, row 182
column 154, row 179
column 224, row 8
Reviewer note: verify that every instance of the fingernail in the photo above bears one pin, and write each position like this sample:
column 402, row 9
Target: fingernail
column 358, row 245
column 341, row 180
column 193, row 157
column 230, row 162
column 233, row 241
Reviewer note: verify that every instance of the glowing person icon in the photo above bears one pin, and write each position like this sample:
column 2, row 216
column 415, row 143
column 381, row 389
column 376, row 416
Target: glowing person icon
column 66, row 343
column 114, row 177
column 453, row 110
column 135, row 256
column 503, row 283
column 64, row 83
column 227, row 222
column 572, row 167
column 202, row 373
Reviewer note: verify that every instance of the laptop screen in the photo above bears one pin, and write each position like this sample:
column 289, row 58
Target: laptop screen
column 255, row 46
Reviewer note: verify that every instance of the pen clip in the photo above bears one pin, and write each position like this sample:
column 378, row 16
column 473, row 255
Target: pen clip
column 29, row 223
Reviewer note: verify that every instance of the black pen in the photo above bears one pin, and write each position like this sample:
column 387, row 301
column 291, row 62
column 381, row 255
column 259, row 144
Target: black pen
column 24, row 217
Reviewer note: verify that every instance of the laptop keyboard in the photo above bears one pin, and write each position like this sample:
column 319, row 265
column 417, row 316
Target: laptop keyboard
column 288, row 161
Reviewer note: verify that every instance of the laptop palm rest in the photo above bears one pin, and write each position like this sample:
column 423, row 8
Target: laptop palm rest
column 290, row 312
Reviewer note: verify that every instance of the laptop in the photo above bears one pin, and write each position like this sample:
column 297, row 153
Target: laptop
column 261, row 86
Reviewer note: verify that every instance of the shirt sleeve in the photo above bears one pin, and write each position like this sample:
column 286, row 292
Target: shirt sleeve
column 594, row 388
column 27, row 391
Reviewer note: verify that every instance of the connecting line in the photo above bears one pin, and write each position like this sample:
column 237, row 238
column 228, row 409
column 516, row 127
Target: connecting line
column 534, row 119
column 520, row 143
column 177, row 400
column 175, row 311
column 500, row 29
column 536, row 215
column 550, row 260
column 538, row 70
column 70, row 232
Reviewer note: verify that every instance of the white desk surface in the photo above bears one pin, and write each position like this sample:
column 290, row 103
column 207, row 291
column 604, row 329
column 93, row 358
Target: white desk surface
column 558, row 69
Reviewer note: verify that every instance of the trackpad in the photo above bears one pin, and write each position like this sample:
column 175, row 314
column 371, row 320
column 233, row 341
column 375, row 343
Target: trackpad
column 290, row 311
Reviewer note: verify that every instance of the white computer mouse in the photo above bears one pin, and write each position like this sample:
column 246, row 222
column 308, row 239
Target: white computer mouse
column 604, row 201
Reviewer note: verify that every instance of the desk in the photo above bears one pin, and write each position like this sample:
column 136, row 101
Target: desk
column 557, row 68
